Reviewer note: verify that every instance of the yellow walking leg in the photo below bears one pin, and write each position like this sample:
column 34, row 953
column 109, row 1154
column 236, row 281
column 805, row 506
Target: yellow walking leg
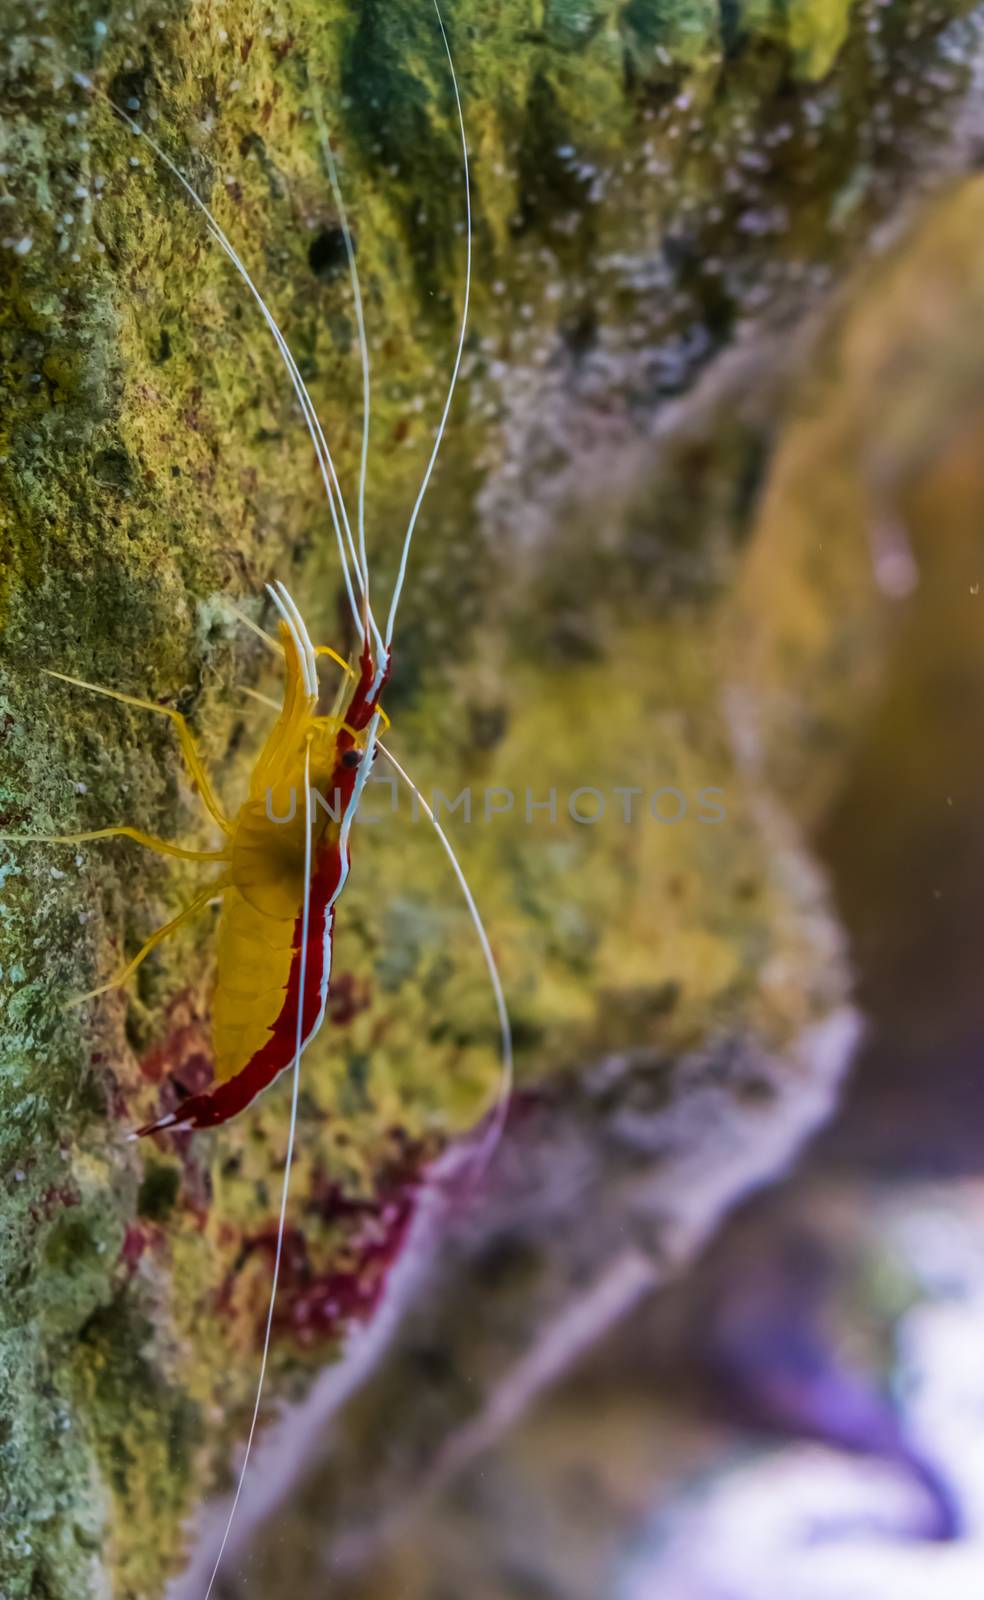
column 201, row 900
column 326, row 650
column 164, row 847
column 193, row 760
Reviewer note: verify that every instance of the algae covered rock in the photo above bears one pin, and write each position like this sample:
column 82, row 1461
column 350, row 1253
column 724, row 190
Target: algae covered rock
column 661, row 193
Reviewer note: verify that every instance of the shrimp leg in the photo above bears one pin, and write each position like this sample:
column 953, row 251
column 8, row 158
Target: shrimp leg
column 195, row 905
column 277, row 649
column 319, row 650
column 163, row 847
column 326, row 650
column 189, row 749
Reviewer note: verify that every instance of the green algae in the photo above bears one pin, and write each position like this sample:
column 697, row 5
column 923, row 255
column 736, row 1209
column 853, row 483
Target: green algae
column 816, row 33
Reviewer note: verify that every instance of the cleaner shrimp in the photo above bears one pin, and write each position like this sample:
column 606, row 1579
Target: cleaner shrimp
column 279, row 881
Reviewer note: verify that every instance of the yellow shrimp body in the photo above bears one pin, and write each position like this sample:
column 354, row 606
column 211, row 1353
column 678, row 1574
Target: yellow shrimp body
column 257, row 1003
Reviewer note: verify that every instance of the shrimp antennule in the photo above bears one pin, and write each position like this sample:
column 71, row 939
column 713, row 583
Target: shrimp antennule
column 360, row 321
column 442, row 425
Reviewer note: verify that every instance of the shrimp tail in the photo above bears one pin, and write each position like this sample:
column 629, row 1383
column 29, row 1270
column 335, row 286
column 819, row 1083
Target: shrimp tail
column 198, row 1112
column 170, row 1121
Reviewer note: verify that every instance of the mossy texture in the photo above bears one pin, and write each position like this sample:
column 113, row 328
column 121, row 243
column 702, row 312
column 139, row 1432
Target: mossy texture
column 653, row 183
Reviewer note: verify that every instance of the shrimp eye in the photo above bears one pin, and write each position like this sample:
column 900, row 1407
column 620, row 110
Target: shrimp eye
column 351, row 758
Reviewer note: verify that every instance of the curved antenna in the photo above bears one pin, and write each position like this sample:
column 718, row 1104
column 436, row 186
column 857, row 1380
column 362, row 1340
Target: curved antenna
column 297, row 628
column 360, row 321
column 493, row 1133
column 325, row 462
column 402, row 572
column 288, row 1160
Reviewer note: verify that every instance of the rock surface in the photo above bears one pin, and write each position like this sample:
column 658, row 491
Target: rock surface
column 663, row 196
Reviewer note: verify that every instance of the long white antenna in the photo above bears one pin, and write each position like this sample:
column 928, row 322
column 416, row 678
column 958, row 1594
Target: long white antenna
column 292, row 1130
column 491, row 1137
column 408, row 537
column 360, row 321
column 325, row 462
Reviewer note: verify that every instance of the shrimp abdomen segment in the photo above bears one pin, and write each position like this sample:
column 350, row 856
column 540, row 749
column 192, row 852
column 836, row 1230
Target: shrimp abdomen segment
column 255, row 952
column 252, row 1050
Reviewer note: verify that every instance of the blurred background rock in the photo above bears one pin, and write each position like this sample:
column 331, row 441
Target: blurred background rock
column 800, row 1417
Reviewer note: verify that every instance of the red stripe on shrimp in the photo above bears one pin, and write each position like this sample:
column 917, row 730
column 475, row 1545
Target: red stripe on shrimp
column 226, row 1100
